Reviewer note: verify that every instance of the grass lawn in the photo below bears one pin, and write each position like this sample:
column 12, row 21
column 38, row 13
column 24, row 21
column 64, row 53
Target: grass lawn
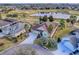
column 9, row 43
column 60, row 33
column 6, row 43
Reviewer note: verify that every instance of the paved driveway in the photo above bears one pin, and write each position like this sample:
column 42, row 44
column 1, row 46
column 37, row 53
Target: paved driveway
column 30, row 39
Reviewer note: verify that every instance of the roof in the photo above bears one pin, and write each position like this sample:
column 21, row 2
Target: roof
column 4, row 22
column 42, row 27
column 10, row 20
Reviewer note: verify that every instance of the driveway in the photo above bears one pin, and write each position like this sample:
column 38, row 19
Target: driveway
column 30, row 39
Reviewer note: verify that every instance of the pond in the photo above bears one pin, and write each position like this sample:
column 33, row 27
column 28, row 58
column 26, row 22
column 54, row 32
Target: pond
column 54, row 14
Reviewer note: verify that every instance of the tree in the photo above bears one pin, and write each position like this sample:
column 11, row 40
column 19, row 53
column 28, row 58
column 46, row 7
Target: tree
column 40, row 20
column 51, row 19
column 73, row 19
column 62, row 23
column 67, row 20
column 49, row 43
column 45, row 18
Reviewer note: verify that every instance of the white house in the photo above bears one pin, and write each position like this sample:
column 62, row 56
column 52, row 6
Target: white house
column 11, row 27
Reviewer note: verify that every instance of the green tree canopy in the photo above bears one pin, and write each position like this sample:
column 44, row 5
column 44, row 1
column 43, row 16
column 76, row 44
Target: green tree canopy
column 49, row 43
column 45, row 18
column 73, row 19
column 51, row 18
column 62, row 23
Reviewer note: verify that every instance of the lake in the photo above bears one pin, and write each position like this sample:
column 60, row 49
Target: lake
column 54, row 14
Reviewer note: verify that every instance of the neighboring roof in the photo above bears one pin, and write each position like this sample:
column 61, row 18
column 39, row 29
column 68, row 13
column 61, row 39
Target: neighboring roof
column 77, row 30
column 4, row 22
column 10, row 20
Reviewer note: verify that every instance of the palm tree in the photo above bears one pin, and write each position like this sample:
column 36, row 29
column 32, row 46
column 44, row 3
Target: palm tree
column 51, row 19
column 73, row 19
column 40, row 20
column 45, row 18
column 67, row 20
column 62, row 23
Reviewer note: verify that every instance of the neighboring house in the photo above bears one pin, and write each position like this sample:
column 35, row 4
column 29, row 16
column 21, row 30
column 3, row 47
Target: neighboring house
column 66, row 45
column 11, row 27
column 70, row 43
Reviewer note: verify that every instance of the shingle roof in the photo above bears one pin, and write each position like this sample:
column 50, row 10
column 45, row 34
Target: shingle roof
column 10, row 20
column 3, row 23
column 38, row 25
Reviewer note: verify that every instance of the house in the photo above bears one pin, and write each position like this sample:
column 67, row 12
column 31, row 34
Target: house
column 11, row 27
column 42, row 29
column 39, row 29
